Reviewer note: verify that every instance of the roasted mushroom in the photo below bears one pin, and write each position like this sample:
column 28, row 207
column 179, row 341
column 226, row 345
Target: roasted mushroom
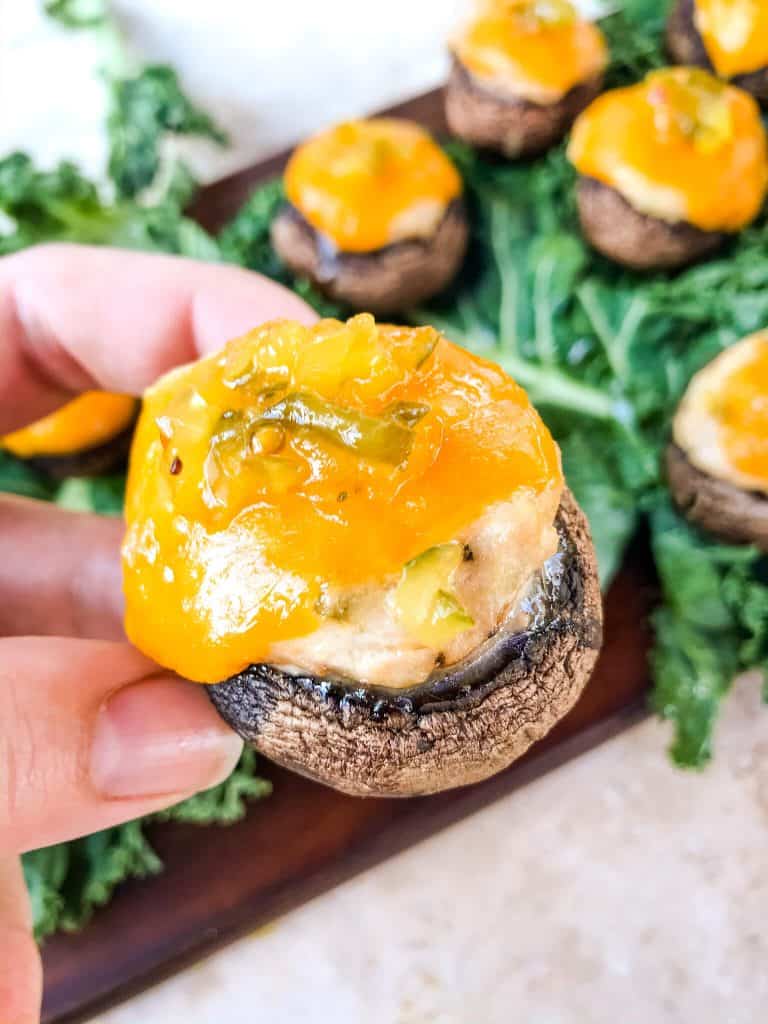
column 360, row 535
column 717, row 463
column 730, row 39
column 88, row 436
column 522, row 71
column 668, row 168
column 374, row 215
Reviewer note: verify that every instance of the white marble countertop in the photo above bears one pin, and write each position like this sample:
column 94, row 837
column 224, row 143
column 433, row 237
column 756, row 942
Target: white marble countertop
column 615, row 890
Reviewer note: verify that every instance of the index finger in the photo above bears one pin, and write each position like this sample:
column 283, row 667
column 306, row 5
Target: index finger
column 74, row 318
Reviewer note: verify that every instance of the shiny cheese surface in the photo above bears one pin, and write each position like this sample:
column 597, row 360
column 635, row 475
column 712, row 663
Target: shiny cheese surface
column 249, row 527
column 680, row 145
column 537, row 49
column 734, row 33
column 722, row 422
column 86, row 422
column 367, row 184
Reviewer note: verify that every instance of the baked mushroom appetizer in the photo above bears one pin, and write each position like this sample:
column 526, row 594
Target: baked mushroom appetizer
column 360, row 534
column 522, row 71
column 729, row 37
column 669, row 168
column 717, row 462
column 87, row 436
column 374, row 215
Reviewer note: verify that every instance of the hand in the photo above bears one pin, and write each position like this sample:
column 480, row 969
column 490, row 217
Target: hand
column 91, row 732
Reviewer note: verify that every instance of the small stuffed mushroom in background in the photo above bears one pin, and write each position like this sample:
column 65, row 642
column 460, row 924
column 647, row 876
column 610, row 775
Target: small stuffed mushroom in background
column 669, row 168
column 730, row 39
column 522, row 71
column 86, row 437
column 360, row 534
column 717, row 462
column 374, row 215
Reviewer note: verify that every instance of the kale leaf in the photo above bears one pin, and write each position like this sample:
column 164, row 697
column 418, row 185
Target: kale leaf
column 144, row 108
column 77, row 13
column 146, row 104
column 61, row 205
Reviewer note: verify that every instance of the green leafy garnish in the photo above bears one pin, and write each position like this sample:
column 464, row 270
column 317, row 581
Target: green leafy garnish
column 18, row 477
column 62, row 206
column 145, row 108
column 102, row 494
column 77, row 13
column 145, row 104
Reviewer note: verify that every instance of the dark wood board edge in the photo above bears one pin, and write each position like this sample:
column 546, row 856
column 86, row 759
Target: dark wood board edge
column 155, row 927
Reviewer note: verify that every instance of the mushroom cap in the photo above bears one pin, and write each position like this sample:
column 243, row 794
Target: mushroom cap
column 383, row 281
column 109, row 457
column 718, row 506
column 465, row 723
column 686, row 46
column 515, row 126
column 619, row 231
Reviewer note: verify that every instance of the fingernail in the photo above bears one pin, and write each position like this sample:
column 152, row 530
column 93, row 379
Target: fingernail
column 160, row 737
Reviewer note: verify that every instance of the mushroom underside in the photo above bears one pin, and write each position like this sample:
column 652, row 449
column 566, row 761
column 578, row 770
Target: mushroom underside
column 517, row 127
column 686, row 46
column 719, row 507
column 109, row 457
column 384, row 281
column 465, row 723
column 619, row 231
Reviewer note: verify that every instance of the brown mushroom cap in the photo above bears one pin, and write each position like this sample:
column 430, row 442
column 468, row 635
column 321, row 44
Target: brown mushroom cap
column 466, row 722
column 619, row 231
column 109, row 457
column 718, row 506
column 686, row 46
column 516, row 127
column 381, row 282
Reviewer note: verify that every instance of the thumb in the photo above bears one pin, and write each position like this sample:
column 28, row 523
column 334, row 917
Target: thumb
column 93, row 733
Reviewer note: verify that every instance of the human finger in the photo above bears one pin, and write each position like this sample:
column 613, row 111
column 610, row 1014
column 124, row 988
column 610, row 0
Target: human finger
column 74, row 318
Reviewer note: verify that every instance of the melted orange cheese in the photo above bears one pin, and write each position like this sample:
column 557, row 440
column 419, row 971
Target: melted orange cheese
column 678, row 145
column 367, row 184
column 540, row 49
column 86, row 422
column 742, row 411
column 734, row 33
column 231, row 551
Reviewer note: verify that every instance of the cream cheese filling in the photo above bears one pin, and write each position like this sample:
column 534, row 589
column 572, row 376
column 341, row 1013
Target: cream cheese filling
column 505, row 549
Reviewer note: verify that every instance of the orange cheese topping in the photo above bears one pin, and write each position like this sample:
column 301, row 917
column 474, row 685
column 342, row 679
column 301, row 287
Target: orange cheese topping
column 540, row 49
column 304, row 461
column 734, row 33
column 742, row 410
column 86, row 422
column 367, row 184
column 680, row 146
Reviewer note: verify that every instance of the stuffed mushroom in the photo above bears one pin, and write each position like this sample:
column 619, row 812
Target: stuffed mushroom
column 87, row 436
column 361, row 536
column 522, row 70
column 374, row 215
column 729, row 38
column 669, row 168
column 717, row 462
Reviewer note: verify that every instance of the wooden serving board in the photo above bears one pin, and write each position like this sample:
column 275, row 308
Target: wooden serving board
column 221, row 883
